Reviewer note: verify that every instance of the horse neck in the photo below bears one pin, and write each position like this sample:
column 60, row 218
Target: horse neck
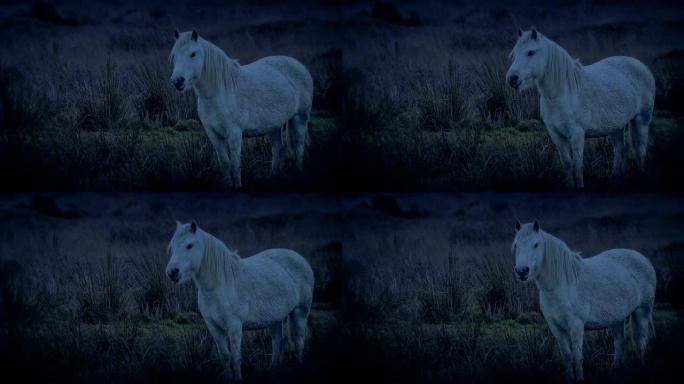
column 208, row 87
column 548, row 280
column 219, row 269
column 553, row 86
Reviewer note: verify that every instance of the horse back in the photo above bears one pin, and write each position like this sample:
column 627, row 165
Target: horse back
column 624, row 269
column 288, row 267
column 296, row 73
column 633, row 73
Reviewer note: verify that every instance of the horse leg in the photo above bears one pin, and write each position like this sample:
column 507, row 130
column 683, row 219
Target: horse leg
column 577, row 341
column 640, row 137
column 640, row 321
column 235, row 148
column 563, row 148
column 235, row 342
column 276, row 151
column 577, row 149
column 619, row 343
column 223, row 158
column 219, row 337
column 298, row 320
column 276, row 343
column 298, row 128
column 563, row 340
column 618, row 152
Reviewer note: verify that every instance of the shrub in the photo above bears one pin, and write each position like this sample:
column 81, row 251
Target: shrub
column 444, row 296
column 445, row 104
column 101, row 103
column 102, row 292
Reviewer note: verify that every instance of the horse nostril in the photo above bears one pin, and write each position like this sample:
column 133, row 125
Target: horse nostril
column 513, row 79
column 173, row 274
column 178, row 82
column 522, row 271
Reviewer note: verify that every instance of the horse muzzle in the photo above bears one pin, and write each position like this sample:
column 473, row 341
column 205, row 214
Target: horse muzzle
column 174, row 275
column 514, row 82
column 522, row 273
column 178, row 83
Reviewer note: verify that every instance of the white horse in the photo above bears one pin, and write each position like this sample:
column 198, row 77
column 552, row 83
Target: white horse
column 594, row 293
column 233, row 101
column 578, row 101
column 235, row 294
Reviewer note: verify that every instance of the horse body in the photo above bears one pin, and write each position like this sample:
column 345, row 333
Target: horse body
column 236, row 101
column 235, row 294
column 577, row 294
column 265, row 100
column 576, row 101
column 614, row 90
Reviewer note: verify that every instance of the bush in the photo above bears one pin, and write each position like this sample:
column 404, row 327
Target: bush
column 103, row 295
column 101, row 103
column 444, row 297
column 445, row 105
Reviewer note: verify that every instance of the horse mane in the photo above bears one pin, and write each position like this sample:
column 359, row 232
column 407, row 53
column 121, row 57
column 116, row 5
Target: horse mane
column 219, row 264
column 561, row 69
column 560, row 264
column 218, row 69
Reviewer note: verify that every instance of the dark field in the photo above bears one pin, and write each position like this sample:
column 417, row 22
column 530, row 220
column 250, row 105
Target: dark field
column 409, row 288
column 408, row 97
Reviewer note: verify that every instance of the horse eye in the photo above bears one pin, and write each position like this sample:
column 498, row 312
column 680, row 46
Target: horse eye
column 189, row 246
column 530, row 53
column 193, row 54
column 536, row 245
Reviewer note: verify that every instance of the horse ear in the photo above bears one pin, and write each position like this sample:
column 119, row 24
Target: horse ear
column 520, row 31
column 517, row 225
column 535, row 226
column 178, row 224
column 194, row 35
column 534, row 33
column 193, row 227
column 176, row 34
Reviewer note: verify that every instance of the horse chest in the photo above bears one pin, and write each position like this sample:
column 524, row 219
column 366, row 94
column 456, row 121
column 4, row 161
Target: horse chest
column 559, row 115
column 559, row 309
column 218, row 310
column 216, row 113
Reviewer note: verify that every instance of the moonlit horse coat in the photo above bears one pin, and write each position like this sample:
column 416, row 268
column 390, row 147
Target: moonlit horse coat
column 234, row 294
column 576, row 101
column 593, row 293
column 233, row 100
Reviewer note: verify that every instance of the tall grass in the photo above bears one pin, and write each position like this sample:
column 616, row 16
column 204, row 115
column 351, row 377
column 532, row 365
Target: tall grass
column 446, row 104
column 101, row 99
column 156, row 102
